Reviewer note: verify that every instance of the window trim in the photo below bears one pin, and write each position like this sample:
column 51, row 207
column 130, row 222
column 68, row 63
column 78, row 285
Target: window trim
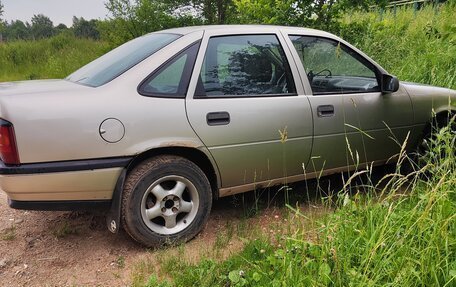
column 353, row 53
column 229, row 96
column 246, row 96
column 186, row 74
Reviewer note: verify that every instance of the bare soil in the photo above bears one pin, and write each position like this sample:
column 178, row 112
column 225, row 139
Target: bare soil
column 39, row 248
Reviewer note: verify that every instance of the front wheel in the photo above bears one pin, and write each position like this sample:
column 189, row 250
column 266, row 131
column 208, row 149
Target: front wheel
column 166, row 199
column 438, row 143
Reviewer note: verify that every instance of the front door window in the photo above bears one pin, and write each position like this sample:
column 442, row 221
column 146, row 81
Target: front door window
column 333, row 68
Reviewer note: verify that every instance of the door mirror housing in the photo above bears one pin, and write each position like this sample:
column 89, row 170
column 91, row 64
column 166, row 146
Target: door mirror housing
column 390, row 84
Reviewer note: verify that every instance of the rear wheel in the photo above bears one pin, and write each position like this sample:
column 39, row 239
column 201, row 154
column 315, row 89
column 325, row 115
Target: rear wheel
column 166, row 199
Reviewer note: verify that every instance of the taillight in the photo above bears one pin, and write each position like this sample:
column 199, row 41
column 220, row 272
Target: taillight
column 8, row 148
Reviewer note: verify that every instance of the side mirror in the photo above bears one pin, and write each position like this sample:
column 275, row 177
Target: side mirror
column 390, row 84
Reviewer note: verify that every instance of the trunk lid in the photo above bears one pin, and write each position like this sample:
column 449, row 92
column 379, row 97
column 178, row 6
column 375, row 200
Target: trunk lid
column 38, row 87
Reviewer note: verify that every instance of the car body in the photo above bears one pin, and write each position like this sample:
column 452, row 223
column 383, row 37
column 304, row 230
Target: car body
column 224, row 109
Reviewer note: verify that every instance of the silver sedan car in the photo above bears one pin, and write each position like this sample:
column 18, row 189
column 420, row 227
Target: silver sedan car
column 158, row 128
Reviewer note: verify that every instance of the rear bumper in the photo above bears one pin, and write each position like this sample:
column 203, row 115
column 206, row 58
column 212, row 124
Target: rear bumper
column 66, row 184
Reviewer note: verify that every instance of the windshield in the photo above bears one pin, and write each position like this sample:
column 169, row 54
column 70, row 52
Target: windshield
column 119, row 60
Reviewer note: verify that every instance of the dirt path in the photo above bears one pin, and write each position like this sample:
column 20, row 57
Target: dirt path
column 67, row 248
column 40, row 248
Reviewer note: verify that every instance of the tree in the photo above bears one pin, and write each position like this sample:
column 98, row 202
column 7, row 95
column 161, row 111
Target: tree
column 42, row 27
column 131, row 19
column 321, row 14
column 85, row 29
column 17, row 30
column 213, row 11
column 1, row 22
column 61, row 27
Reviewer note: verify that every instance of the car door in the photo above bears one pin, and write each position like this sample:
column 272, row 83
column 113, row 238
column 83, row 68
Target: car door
column 246, row 103
column 354, row 122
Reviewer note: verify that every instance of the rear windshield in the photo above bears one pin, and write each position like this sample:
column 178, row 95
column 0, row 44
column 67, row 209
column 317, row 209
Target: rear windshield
column 119, row 60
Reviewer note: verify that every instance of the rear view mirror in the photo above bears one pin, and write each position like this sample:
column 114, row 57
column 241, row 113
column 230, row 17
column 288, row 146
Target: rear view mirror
column 390, row 84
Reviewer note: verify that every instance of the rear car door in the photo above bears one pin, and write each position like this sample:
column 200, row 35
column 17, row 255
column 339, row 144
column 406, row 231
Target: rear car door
column 354, row 122
column 246, row 103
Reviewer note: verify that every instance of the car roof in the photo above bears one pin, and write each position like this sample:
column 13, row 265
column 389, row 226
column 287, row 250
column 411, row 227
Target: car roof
column 243, row 28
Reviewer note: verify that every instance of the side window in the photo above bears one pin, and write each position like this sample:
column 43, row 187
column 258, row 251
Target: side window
column 245, row 65
column 172, row 79
column 333, row 68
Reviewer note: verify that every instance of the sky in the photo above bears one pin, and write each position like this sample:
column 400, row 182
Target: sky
column 59, row 11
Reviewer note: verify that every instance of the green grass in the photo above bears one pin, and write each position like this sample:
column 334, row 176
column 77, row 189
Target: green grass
column 56, row 57
column 418, row 47
column 398, row 232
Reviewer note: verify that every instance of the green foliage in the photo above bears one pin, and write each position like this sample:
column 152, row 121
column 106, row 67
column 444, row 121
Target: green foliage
column 85, row 29
column 381, row 237
column 1, row 21
column 55, row 57
column 17, row 30
column 212, row 11
column 154, row 282
column 42, row 27
column 131, row 19
column 415, row 46
column 322, row 14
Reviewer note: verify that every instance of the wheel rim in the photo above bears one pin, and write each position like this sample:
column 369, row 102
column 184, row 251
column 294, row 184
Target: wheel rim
column 170, row 204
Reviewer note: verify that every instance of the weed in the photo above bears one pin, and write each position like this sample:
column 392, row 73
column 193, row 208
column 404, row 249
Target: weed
column 120, row 261
column 9, row 233
column 378, row 235
column 154, row 282
column 64, row 229
column 224, row 236
column 141, row 273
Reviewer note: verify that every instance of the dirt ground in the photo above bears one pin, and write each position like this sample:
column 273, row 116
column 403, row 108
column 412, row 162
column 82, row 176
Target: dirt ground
column 39, row 248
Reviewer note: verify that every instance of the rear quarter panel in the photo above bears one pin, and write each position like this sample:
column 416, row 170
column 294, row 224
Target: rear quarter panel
column 53, row 126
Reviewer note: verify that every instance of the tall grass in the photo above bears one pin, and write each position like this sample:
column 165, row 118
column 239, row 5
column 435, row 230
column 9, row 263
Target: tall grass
column 415, row 46
column 400, row 231
column 56, row 57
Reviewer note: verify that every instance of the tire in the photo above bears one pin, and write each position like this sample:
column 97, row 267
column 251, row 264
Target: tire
column 165, row 200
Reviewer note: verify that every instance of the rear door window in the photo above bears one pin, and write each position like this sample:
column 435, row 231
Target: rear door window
column 245, row 65
column 171, row 79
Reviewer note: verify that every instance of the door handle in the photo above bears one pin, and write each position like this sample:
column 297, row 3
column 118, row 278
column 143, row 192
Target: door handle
column 325, row 111
column 218, row 118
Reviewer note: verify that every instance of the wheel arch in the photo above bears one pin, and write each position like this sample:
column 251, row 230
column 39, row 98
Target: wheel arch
column 439, row 117
column 197, row 156
column 442, row 115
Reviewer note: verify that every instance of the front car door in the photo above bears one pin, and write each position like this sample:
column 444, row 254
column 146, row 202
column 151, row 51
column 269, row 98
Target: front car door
column 354, row 122
column 247, row 104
